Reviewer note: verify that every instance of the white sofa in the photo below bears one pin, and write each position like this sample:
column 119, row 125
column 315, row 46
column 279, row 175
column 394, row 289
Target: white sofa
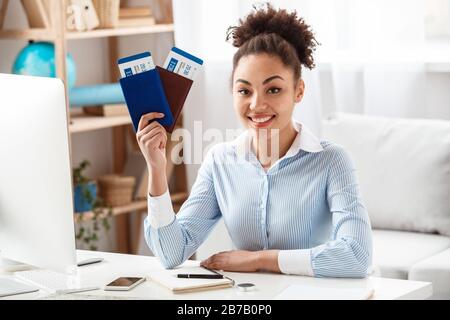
column 403, row 167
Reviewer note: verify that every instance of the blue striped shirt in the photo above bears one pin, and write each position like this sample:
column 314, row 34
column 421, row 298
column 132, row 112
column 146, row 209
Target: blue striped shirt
column 307, row 205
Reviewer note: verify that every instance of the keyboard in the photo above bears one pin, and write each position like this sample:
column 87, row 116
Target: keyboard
column 52, row 282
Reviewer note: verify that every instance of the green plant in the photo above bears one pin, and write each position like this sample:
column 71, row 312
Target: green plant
column 88, row 232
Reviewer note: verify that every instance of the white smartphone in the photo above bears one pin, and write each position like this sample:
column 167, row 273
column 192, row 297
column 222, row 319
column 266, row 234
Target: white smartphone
column 124, row 283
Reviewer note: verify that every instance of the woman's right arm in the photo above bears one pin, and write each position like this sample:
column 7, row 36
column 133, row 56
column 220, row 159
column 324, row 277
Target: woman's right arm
column 174, row 240
column 152, row 141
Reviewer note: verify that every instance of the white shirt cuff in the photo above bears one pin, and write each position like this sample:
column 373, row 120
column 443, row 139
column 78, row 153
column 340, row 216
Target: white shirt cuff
column 295, row 262
column 160, row 210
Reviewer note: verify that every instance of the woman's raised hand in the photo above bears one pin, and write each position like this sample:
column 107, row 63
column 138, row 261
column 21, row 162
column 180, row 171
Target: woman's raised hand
column 152, row 139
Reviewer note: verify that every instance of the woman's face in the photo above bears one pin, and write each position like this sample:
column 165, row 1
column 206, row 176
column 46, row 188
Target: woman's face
column 265, row 93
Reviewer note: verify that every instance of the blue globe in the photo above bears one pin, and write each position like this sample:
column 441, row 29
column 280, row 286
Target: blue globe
column 38, row 59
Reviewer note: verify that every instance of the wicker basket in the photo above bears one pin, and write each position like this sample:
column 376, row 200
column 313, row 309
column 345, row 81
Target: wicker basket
column 116, row 190
column 108, row 12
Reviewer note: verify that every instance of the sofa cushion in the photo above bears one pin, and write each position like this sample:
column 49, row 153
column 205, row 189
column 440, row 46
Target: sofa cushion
column 395, row 252
column 403, row 167
column 437, row 270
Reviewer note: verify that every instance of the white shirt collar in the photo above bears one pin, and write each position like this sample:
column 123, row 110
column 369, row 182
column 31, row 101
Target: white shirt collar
column 305, row 140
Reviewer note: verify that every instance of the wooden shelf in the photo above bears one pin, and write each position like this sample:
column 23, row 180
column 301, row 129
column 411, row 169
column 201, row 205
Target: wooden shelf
column 28, row 34
column 134, row 206
column 49, row 35
column 116, row 32
column 89, row 123
column 138, row 205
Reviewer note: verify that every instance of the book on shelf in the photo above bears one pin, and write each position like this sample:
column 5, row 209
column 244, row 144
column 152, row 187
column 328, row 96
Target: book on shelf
column 136, row 22
column 107, row 110
column 36, row 13
column 3, row 8
column 134, row 12
column 166, row 11
column 47, row 8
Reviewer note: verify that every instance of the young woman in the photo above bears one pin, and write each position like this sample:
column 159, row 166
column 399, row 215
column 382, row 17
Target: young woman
column 291, row 203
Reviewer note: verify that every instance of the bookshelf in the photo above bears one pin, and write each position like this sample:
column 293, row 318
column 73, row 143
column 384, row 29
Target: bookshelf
column 49, row 34
column 78, row 123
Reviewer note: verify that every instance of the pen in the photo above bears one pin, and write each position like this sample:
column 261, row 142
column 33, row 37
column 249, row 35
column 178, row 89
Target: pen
column 200, row 276
column 215, row 272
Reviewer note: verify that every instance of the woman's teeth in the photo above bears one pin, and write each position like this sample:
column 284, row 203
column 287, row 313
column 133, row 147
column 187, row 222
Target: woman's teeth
column 260, row 120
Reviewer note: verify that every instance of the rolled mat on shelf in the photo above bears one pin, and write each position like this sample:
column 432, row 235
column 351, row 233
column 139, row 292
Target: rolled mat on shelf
column 96, row 95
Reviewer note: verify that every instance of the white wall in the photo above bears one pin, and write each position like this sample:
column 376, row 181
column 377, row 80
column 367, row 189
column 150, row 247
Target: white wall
column 437, row 99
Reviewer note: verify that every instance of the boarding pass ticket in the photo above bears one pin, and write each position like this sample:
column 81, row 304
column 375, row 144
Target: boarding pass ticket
column 136, row 64
column 183, row 63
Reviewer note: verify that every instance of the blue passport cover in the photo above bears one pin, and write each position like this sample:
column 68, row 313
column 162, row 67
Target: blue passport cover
column 144, row 93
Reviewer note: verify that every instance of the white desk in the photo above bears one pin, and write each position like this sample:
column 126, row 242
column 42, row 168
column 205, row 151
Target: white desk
column 267, row 285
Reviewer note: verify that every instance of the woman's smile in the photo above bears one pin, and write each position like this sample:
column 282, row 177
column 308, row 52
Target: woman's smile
column 261, row 120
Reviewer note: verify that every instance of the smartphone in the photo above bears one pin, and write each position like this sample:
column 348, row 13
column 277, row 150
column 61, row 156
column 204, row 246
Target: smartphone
column 124, row 283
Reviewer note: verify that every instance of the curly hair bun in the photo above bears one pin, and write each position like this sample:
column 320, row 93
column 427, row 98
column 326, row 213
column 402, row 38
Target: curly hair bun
column 280, row 22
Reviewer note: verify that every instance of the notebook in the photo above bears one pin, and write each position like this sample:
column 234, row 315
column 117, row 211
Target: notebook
column 310, row 292
column 168, row 279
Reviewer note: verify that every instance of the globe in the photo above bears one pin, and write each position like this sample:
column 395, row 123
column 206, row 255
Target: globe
column 38, row 59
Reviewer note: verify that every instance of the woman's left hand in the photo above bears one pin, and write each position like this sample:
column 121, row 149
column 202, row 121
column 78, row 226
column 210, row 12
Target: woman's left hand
column 237, row 260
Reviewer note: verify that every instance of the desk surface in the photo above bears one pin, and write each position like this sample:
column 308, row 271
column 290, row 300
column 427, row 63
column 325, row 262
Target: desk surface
column 267, row 285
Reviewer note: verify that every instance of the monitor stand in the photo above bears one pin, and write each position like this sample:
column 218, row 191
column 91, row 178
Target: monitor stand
column 10, row 266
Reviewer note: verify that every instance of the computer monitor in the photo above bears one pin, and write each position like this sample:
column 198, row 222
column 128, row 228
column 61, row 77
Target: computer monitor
column 36, row 203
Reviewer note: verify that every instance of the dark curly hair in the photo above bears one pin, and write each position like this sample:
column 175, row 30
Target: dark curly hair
column 274, row 32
